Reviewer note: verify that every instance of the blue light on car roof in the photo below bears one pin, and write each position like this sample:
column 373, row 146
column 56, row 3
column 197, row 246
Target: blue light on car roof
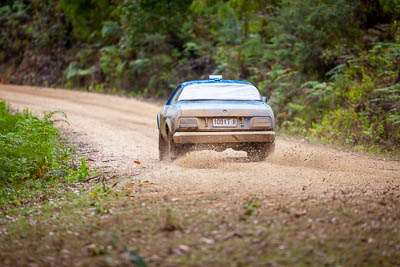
column 215, row 77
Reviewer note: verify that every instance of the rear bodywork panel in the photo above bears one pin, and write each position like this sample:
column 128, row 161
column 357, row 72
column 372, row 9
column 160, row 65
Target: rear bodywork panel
column 223, row 137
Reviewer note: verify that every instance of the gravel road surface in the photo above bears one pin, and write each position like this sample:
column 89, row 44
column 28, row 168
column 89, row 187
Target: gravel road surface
column 122, row 130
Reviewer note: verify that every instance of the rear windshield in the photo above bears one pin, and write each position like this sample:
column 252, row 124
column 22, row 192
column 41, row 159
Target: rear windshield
column 219, row 91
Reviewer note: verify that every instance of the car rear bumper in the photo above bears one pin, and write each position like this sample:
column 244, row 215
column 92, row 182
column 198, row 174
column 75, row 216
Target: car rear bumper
column 223, row 137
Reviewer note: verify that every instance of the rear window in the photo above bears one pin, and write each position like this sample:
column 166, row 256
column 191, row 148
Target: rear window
column 219, row 91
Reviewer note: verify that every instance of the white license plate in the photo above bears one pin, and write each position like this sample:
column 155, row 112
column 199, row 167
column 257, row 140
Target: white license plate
column 224, row 122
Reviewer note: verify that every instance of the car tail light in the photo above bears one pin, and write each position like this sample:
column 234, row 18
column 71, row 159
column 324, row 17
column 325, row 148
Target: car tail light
column 261, row 123
column 188, row 123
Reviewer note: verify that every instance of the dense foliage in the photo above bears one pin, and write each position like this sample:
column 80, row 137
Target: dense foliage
column 32, row 156
column 329, row 68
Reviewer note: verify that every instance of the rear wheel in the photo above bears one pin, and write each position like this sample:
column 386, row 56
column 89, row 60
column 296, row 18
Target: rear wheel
column 260, row 151
column 172, row 149
column 162, row 147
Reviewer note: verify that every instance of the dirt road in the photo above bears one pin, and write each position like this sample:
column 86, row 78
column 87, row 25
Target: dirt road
column 124, row 130
column 343, row 207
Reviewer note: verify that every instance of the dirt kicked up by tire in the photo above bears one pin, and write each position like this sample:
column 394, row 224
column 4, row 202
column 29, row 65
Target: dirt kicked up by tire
column 168, row 150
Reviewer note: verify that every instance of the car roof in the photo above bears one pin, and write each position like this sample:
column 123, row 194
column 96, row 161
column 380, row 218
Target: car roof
column 213, row 82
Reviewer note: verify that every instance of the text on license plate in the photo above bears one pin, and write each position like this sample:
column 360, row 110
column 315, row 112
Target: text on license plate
column 225, row 122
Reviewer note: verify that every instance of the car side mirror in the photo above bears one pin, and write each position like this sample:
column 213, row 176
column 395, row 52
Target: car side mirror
column 264, row 99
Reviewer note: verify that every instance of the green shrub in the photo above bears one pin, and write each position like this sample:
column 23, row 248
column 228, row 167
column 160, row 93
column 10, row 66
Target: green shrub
column 31, row 155
column 86, row 16
column 79, row 175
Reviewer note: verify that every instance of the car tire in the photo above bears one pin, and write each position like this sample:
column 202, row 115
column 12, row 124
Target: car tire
column 172, row 149
column 162, row 148
column 259, row 152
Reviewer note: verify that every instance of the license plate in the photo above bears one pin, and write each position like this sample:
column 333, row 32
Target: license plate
column 224, row 122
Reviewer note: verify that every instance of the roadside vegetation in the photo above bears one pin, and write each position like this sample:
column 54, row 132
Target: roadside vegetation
column 35, row 161
column 330, row 69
